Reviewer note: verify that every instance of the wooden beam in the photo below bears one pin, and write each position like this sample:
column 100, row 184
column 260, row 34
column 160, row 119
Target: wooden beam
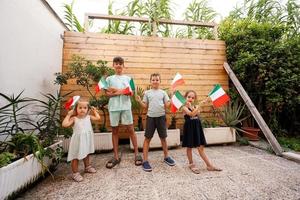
column 146, row 20
column 260, row 121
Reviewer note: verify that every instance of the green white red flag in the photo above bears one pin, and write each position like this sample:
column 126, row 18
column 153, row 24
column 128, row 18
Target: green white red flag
column 71, row 102
column 102, row 84
column 130, row 89
column 178, row 80
column 218, row 96
column 177, row 101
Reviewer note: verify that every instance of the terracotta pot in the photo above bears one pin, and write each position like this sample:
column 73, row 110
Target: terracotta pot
column 252, row 133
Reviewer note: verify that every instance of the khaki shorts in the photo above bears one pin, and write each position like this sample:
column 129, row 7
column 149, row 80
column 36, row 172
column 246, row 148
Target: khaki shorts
column 125, row 116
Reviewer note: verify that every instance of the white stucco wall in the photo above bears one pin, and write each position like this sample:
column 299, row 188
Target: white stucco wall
column 30, row 48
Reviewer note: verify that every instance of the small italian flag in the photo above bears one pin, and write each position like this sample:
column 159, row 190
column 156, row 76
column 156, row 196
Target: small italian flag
column 178, row 80
column 130, row 89
column 177, row 101
column 218, row 96
column 102, row 84
column 71, row 102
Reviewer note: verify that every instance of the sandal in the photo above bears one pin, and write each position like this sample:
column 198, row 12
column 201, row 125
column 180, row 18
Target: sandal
column 138, row 160
column 77, row 177
column 90, row 169
column 112, row 162
column 194, row 169
column 213, row 169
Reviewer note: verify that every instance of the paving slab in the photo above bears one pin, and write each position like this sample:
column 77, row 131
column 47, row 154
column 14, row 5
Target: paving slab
column 248, row 173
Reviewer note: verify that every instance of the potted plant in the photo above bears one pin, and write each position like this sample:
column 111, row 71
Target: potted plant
column 249, row 130
column 231, row 116
column 21, row 149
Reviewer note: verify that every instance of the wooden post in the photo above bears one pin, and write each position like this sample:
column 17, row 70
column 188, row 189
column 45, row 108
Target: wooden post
column 216, row 31
column 86, row 23
column 260, row 121
column 154, row 28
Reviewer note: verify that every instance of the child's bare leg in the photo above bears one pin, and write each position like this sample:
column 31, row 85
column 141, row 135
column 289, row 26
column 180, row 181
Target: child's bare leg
column 146, row 148
column 86, row 161
column 133, row 138
column 164, row 146
column 74, row 165
column 203, row 156
column 115, row 141
column 189, row 153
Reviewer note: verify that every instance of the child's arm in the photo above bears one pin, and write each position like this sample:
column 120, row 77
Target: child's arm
column 111, row 92
column 68, row 120
column 167, row 104
column 142, row 103
column 192, row 113
column 95, row 115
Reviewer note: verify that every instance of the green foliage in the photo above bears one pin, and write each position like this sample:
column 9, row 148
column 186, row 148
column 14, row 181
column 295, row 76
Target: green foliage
column 137, row 108
column 71, row 20
column 86, row 74
column 291, row 143
column 13, row 118
column 199, row 10
column 263, row 49
column 48, row 118
column 6, row 158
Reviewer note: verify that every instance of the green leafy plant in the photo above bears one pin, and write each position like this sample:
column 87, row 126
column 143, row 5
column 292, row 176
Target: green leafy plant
column 48, row 117
column 137, row 108
column 13, row 118
column 6, row 158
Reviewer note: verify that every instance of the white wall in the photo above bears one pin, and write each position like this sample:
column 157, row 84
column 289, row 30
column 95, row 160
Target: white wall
column 30, row 48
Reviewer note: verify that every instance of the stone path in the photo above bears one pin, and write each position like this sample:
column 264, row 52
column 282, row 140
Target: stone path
column 248, row 173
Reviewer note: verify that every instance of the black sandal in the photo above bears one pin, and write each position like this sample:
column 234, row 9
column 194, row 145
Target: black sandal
column 112, row 162
column 138, row 160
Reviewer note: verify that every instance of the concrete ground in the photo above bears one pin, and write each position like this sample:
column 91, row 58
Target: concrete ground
column 248, row 173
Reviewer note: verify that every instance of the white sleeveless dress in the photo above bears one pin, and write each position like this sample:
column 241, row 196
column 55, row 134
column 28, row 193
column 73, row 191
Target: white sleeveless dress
column 82, row 140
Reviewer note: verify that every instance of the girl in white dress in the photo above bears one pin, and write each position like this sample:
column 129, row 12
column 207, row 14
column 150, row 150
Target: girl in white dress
column 82, row 140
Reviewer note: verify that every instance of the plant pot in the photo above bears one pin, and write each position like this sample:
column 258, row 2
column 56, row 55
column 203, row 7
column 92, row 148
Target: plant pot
column 173, row 139
column 251, row 133
column 22, row 172
column 219, row 135
column 102, row 141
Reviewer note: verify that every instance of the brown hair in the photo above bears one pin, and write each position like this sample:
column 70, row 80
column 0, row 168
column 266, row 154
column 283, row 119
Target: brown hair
column 118, row 59
column 189, row 91
column 155, row 74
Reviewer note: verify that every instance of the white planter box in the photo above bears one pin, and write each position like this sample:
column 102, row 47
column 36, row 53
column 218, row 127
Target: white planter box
column 219, row 135
column 20, row 173
column 173, row 139
column 102, row 141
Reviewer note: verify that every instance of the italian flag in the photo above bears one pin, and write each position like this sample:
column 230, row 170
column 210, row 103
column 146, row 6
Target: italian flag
column 71, row 102
column 218, row 96
column 102, row 84
column 130, row 89
column 178, row 80
column 177, row 101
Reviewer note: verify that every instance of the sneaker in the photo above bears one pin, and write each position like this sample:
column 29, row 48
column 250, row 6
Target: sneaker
column 169, row 161
column 146, row 166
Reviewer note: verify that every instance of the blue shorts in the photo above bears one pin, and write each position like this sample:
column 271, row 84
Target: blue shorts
column 125, row 116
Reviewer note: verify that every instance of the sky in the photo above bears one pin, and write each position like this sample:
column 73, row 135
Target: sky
column 223, row 7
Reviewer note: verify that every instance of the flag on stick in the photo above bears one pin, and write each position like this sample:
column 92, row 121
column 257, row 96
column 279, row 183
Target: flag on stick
column 177, row 101
column 130, row 89
column 71, row 102
column 178, row 80
column 102, row 84
column 218, row 96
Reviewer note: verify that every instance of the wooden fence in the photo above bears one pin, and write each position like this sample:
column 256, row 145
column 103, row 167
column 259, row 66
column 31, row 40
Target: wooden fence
column 200, row 62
